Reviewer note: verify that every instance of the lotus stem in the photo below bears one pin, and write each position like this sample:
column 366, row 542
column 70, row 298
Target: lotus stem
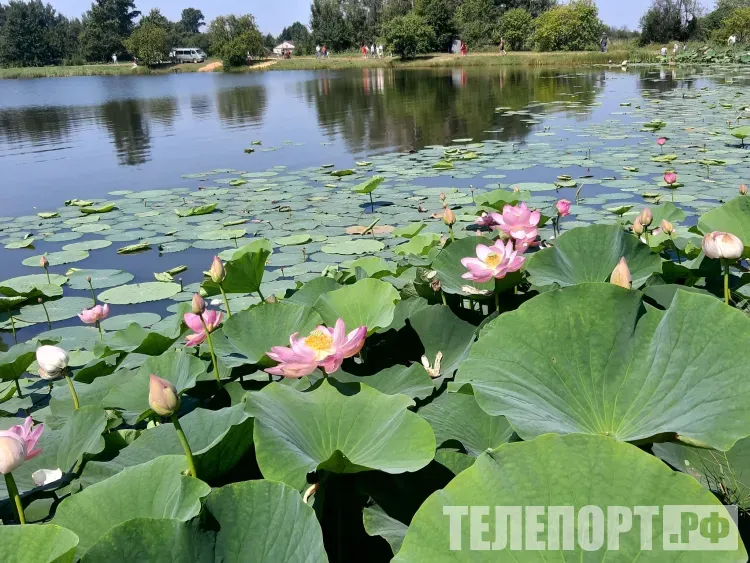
column 497, row 301
column 76, row 404
column 46, row 271
column 726, row 281
column 101, row 335
column 10, row 484
column 211, row 349
column 450, row 230
column 442, row 295
column 46, row 314
column 18, row 388
column 372, row 203
column 260, row 294
column 645, row 235
column 677, row 251
column 185, row 446
column 93, row 296
column 12, row 326
column 226, row 301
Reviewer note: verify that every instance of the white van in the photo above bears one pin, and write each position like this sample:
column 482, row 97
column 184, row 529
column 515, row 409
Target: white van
column 188, row 55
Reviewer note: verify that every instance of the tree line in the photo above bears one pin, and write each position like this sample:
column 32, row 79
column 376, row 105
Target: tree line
column 685, row 20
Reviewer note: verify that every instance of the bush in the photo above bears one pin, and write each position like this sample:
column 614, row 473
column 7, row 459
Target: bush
column 570, row 27
column 234, row 52
column 409, row 35
column 737, row 24
column 148, row 44
column 476, row 21
column 515, row 27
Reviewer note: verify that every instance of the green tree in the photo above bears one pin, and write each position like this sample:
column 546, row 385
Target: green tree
column 105, row 27
column 29, row 36
column 668, row 20
column 439, row 16
column 192, row 20
column 234, row 52
column 269, row 41
column 409, row 35
column 515, row 27
column 569, row 27
column 328, row 25
column 148, row 43
column 737, row 24
column 298, row 34
column 234, row 37
column 534, row 7
column 476, row 21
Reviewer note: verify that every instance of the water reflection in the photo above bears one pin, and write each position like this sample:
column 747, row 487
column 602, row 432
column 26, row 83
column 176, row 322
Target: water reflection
column 241, row 105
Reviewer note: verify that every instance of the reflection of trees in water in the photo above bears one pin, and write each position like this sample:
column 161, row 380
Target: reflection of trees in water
column 665, row 80
column 37, row 125
column 127, row 122
column 375, row 108
column 241, row 105
column 161, row 110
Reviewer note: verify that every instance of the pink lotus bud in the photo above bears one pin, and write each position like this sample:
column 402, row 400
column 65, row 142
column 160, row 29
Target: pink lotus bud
column 43, row 262
column 442, row 196
column 743, row 189
column 719, row 245
column 667, row 227
column 162, row 396
column 637, row 226
column 449, row 218
column 661, row 141
column 646, row 217
column 217, row 272
column 621, row 275
column 563, row 207
column 199, row 305
column 670, row 178
column 516, row 189
column 88, row 279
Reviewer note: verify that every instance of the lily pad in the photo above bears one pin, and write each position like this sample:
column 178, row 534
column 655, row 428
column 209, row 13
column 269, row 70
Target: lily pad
column 369, row 302
column 57, row 258
column 100, row 279
column 357, row 246
column 58, row 310
column 139, row 293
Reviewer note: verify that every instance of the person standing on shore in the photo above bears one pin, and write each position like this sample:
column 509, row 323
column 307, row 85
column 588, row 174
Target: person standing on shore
column 114, row 58
column 463, row 49
column 502, row 46
column 604, row 42
column 364, row 51
column 317, row 51
column 380, row 51
column 372, row 51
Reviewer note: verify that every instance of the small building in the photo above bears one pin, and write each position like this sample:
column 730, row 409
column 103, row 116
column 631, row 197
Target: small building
column 284, row 47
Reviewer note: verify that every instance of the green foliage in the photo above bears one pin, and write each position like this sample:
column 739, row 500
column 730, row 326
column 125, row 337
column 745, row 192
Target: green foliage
column 569, row 27
column 191, row 20
column 515, row 27
column 668, row 20
column 105, row 26
column 234, row 37
column 328, row 25
column 737, row 23
column 148, row 43
column 409, row 35
column 476, row 21
column 32, row 34
column 438, row 14
column 298, row 34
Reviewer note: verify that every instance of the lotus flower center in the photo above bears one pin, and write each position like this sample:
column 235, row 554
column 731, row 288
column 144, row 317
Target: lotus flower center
column 492, row 260
column 321, row 343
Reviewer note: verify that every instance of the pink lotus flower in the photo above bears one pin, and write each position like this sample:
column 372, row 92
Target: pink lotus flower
column 563, row 207
column 661, row 141
column 17, row 445
column 484, row 220
column 323, row 347
column 670, row 178
column 518, row 221
column 211, row 318
column 494, row 261
column 94, row 314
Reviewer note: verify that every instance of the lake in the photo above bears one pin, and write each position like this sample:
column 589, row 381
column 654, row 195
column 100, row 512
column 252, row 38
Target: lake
column 87, row 137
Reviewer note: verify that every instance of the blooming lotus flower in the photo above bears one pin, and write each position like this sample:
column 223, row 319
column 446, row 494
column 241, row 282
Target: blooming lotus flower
column 323, row 347
column 43, row 477
column 212, row 320
column 53, row 361
column 518, row 221
column 563, row 207
column 621, row 275
column 432, row 370
column 217, row 272
column 494, row 261
column 94, row 314
column 162, row 396
column 661, row 141
column 670, row 178
column 17, row 445
column 484, row 220
column 720, row 245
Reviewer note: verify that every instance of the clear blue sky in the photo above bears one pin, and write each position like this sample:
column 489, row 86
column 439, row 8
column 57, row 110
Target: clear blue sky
column 274, row 15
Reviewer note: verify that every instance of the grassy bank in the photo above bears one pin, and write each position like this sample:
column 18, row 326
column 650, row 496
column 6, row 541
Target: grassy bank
column 122, row 69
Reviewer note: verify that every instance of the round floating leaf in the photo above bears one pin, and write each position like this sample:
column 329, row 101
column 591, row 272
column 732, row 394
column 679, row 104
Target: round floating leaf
column 343, row 432
column 450, row 269
column 253, row 333
column 593, row 359
column 122, row 321
column 732, row 217
column 32, row 285
column 156, row 489
column 100, row 279
column 562, row 471
column 411, row 381
column 88, row 245
column 58, row 310
column 139, row 293
column 57, row 258
column 24, row 243
column 369, row 302
column 293, row 240
column 264, row 522
column 357, row 246
column 41, row 542
column 589, row 254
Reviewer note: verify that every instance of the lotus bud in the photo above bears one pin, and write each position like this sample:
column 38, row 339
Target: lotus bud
column 162, row 396
column 53, row 362
column 88, row 279
column 637, row 226
column 667, row 227
column 43, row 262
column 516, row 189
column 743, row 189
column 217, row 272
column 449, row 218
column 646, row 217
column 621, row 275
column 670, row 178
column 661, row 141
column 271, row 299
column 442, row 196
column 199, row 305
column 12, row 452
column 720, row 245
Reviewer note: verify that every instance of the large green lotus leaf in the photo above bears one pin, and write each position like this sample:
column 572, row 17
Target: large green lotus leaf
column 308, row 294
column 57, row 310
column 731, row 217
column 355, row 246
column 253, row 333
column 156, row 489
column 574, row 471
column 57, row 258
column 131, row 294
column 724, row 473
column 589, row 254
column 412, row 381
column 14, row 362
column 265, row 522
column 369, row 302
column 342, row 432
column 218, row 440
column 594, row 359
column 153, row 539
column 245, row 269
column 668, row 211
column 378, row 523
column 440, row 331
column 499, row 198
column 120, row 322
column 368, row 185
column 33, row 285
column 100, row 279
column 449, row 268
column 456, row 417
column 136, row 339
column 40, row 543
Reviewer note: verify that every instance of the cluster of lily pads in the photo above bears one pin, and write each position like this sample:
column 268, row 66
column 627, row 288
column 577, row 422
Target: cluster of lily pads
column 348, row 366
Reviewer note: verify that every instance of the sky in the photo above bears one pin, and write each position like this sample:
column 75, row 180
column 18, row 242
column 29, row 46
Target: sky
column 274, row 16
